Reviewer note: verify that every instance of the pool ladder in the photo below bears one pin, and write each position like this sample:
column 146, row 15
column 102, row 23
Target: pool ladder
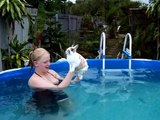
column 127, row 52
column 102, row 49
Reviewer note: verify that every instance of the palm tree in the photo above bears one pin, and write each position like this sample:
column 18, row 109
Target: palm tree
column 154, row 11
column 13, row 11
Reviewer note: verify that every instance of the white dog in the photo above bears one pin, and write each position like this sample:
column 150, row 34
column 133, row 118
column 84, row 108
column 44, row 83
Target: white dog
column 74, row 60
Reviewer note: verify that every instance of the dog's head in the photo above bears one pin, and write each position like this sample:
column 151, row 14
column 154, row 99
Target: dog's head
column 71, row 50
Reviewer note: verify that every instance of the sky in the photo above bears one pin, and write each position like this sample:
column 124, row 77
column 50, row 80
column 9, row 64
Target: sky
column 72, row 1
column 144, row 1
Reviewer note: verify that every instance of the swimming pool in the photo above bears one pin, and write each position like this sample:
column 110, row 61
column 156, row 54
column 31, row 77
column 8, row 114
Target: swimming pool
column 114, row 94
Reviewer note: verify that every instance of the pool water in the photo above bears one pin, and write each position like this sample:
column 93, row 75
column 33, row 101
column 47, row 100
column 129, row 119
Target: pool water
column 114, row 94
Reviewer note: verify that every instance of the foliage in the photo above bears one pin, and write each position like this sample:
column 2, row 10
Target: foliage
column 89, row 45
column 124, row 13
column 18, row 54
column 154, row 12
column 154, row 8
column 33, row 3
column 144, row 43
column 52, row 38
column 41, row 17
column 87, row 22
column 40, row 22
column 13, row 10
column 38, row 27
column 45, row 10
column 52, row 5
column 110, row 12
column 47, row 32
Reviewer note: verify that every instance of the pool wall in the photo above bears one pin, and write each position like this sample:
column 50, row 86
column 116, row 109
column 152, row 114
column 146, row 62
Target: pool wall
column 93, row 63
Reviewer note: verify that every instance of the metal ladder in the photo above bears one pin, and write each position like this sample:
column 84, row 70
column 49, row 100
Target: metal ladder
column 102, row 49
column 127, row 52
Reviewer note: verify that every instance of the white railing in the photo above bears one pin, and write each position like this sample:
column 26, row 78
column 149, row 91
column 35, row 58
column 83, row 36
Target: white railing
column 102, row 49
column 127, row 51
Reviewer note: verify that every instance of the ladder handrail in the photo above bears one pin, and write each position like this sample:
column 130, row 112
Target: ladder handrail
column 102, row 46
column 126, row 51
column 102, row 49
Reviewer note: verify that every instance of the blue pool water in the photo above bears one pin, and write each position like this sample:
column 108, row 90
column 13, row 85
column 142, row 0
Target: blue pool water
column 114, row 94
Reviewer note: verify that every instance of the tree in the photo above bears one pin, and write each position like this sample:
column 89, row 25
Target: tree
column 154, row 11
column 46, row 8
column 52, row 39
column 13, row 10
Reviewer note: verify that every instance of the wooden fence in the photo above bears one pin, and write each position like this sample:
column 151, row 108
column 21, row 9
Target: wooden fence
column 69, row 23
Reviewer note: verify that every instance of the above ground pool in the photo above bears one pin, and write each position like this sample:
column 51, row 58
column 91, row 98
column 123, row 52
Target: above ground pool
column 114, row 93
